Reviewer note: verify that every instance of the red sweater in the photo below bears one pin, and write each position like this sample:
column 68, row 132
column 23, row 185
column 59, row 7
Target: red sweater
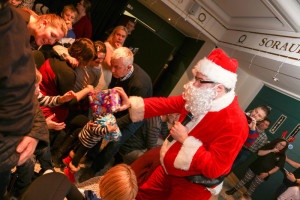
column 83, row 28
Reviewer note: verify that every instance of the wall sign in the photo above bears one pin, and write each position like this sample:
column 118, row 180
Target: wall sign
column 277, row 124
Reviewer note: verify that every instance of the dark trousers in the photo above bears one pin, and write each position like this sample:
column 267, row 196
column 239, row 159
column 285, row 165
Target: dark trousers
column 243, row 155
column 112, row 148
column 4, row 177
column 44, row 158
column 25, row 173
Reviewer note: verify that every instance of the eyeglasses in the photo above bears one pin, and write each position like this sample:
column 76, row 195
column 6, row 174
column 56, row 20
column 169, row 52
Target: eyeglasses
column 199, row 80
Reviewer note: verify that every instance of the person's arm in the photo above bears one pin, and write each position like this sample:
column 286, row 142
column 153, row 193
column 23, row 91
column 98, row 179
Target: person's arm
column 37, row 138
column 293, row 163
column 292, row 178
column 272, row 171
column 267, row 151
column 84, row 92
column 63, row 52
column 52, row 101
column 263, row 175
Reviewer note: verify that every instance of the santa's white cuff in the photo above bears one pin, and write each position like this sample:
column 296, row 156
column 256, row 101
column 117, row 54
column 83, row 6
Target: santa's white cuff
column 216, row 190
column 137, row 109
column 186, row 153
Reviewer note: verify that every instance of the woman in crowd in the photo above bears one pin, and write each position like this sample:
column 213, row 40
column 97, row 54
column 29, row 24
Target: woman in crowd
column 271, row 158
column 115, row 40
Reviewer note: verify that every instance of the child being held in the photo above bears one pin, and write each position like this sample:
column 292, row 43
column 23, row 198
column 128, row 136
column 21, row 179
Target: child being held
column 103, row 127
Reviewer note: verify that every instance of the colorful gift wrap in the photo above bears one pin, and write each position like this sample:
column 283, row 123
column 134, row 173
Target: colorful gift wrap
column 104, row 101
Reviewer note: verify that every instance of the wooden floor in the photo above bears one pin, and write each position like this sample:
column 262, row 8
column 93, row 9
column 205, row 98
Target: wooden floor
column 229, row 182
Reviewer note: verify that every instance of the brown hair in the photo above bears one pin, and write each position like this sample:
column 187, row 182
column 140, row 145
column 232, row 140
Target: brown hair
column 119, row 182
column 100, row 46
column 82, row 49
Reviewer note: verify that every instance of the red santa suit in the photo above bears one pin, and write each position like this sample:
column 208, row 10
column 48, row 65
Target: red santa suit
column 213, row 142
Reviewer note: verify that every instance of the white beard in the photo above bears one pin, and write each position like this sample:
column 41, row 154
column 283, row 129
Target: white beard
column 198, row 100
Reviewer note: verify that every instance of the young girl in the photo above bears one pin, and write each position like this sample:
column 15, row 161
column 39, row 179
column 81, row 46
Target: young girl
column 103, row 126
column 271, row 158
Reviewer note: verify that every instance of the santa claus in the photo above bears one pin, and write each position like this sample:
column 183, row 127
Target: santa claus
column 208, row 144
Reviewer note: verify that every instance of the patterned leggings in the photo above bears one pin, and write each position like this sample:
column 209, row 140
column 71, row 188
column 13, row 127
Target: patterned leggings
column 249, row 176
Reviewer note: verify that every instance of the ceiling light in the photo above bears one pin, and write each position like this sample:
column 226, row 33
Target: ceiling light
column 275, row 79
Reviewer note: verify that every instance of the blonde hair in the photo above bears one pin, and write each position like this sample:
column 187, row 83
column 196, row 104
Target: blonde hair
column 110, row 37
column 119, row 183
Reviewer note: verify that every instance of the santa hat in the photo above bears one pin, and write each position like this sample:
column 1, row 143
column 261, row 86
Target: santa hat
column 218, row 67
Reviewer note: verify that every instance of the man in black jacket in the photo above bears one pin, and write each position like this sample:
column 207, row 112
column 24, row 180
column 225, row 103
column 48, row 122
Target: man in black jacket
column 135, row 82
column 22, row 124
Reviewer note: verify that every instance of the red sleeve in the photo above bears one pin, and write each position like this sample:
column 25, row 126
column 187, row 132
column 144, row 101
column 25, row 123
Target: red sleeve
column 156, row 106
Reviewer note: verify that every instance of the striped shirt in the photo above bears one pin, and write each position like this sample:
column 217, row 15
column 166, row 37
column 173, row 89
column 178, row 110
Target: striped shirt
column 48, row 101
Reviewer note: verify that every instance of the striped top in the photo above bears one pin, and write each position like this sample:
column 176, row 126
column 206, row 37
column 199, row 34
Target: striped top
column 48, row 101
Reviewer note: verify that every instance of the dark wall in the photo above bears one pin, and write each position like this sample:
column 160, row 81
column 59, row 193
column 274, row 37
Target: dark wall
column 153, row 51
column 155, row 48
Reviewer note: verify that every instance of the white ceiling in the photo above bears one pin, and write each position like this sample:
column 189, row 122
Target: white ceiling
column 278, row 18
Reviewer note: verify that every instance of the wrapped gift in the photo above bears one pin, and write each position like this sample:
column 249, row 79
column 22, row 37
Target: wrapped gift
column 111, row 136
column 104, row 101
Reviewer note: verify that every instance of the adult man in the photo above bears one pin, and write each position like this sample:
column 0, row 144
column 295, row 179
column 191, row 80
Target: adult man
column 208, row 144
column 22, row 125
column 256, row 116
column 135, row 81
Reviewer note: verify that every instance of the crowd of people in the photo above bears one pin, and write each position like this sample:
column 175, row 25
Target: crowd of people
column 154, row 147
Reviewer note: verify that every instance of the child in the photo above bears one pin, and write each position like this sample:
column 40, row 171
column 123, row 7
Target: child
column 119, row 182
column 104, row 126
column 69, row 14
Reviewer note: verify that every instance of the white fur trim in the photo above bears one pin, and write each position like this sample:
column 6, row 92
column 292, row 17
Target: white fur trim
column 186, row 153
column 216, row 190
column 216, row 73
column 137, row 109
column 223, row 101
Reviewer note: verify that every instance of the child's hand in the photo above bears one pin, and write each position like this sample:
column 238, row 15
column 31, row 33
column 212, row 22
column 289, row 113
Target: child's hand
column 111, row 128
column 68, row 96
column 54, row 125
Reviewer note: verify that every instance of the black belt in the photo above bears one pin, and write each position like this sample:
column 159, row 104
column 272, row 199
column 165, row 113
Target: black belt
column 207, row 182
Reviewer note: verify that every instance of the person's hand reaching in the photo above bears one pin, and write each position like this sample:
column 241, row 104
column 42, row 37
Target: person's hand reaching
column 124, row 98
